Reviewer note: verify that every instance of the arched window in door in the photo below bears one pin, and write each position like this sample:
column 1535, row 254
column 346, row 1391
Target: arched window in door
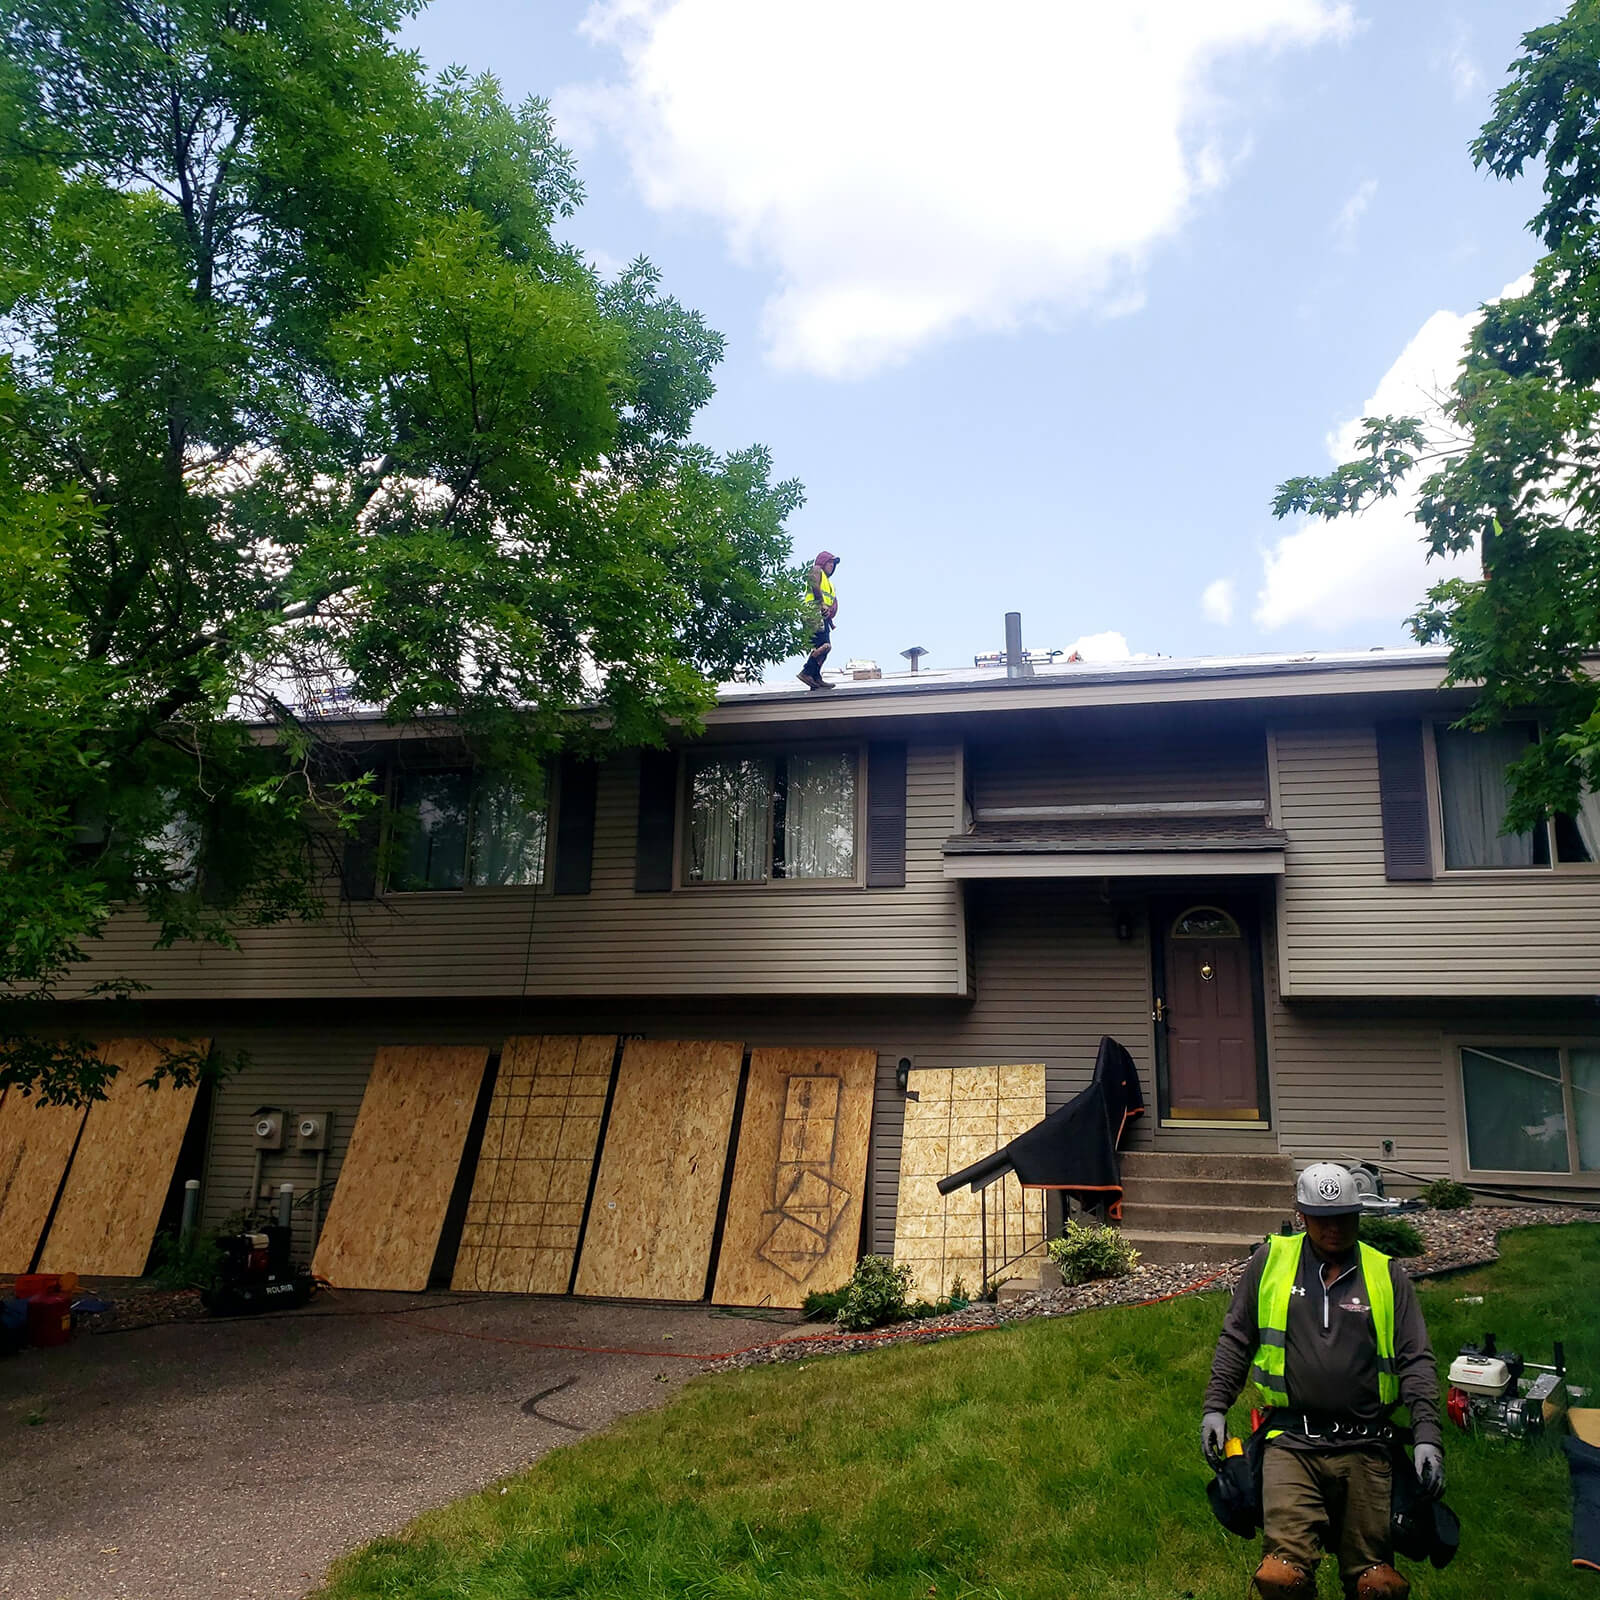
column 1204, row 922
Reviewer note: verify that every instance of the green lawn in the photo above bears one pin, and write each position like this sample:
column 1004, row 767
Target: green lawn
column 1052, row 1459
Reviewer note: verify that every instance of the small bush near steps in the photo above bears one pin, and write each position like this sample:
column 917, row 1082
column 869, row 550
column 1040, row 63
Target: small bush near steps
column 1394, row 1236
column 828, row 1304
column 875, row 1294
column 1085, row 1251
column 1445, row 1194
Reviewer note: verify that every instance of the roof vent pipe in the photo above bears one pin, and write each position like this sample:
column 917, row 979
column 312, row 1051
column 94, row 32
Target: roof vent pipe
column 1017, row 664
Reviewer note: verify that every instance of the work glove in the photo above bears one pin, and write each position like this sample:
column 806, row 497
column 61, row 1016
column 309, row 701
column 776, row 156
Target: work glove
column 1214, row 1438
column 1429, row 1462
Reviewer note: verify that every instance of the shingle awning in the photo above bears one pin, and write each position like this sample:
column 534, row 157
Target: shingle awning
column 1122, row 847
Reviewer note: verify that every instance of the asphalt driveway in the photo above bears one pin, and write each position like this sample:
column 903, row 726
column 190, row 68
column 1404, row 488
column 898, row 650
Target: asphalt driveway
column 234, row 1460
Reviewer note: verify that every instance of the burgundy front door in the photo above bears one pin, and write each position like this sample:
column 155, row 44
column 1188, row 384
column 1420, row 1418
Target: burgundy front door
column 1210, row 1017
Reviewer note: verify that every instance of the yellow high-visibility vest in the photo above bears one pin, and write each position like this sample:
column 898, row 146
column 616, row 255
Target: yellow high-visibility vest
column 1272, row 1318
column 825, row 588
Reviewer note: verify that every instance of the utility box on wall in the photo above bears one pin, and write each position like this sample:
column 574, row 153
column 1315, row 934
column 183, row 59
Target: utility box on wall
column 267, row 1133
column 311, row 1130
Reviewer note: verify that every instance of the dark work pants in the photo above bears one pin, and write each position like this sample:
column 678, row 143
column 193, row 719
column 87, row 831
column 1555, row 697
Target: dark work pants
column 1326, row 1502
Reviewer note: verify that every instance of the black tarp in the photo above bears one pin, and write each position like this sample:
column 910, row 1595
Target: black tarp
column 1075, row 1148
column 1583, row 1463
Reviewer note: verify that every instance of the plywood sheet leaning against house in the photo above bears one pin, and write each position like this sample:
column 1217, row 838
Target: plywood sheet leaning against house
column 655, row 1201
column 794, row 1210
column 111, row 1205
column 35, row 1145
column 521, row 1229
column 388, row 1209
column 955, row 1116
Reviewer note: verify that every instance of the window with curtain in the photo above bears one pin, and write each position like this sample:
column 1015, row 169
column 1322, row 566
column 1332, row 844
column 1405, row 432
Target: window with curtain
column 1474, row 793
column 454, row 829
column 1517, row 1104
column 772, row 818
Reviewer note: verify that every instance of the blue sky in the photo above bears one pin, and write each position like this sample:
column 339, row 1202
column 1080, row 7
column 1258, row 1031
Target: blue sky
column 1041, row 300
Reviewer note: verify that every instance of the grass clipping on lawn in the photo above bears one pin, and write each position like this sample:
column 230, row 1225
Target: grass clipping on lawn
column 1050, row 1459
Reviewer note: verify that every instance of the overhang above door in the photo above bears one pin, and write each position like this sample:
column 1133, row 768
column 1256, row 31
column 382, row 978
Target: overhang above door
column 1115, row 846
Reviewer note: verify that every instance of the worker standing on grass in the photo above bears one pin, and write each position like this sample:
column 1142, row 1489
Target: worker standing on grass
column 824, row 608
column 1330, row 1331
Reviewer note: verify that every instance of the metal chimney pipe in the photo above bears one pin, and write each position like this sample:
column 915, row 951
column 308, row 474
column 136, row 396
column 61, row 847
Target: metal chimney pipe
column 1016, row 667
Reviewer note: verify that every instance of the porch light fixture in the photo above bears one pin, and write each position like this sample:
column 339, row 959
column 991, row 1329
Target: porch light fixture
column 902, row 1074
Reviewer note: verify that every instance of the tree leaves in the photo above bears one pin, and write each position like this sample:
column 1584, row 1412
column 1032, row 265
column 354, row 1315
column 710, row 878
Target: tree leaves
column 299, row 393
column 1517, row 471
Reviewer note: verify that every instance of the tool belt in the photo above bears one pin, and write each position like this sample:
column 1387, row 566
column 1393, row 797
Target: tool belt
column 1329, row 1427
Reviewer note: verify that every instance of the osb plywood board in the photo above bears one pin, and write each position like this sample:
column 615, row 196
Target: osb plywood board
column 521, row 1230
column 107, row 1217
column 655, row 1200
column 383, row 1223
column 35, row 1145
column 794, row 1209
column 955, row 1116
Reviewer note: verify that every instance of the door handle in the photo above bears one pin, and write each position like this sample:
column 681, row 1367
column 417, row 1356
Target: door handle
column 1160, row 1012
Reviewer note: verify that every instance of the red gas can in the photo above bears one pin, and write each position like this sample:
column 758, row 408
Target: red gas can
column 31, row 1283
column 49, row 1319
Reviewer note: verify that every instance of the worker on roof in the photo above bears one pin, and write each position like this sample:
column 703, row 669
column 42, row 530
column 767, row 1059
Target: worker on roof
column 824, row 608
column 1330, row 1332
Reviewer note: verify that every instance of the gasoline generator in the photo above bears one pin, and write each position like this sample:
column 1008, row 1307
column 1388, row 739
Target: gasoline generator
column 1497, row 1390
column 256, row 1274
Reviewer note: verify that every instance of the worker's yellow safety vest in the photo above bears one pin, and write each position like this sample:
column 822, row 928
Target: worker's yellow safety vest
column 1272, row 1317
column 826, row 588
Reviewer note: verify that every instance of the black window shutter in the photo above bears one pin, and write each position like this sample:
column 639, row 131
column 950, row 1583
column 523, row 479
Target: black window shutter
column 575, row 826
column 658, row 805
column 886, row 816
column 1403, row 794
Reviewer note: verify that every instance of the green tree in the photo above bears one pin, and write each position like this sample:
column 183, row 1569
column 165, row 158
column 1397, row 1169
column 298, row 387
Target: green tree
column 1515, row 461
column 301, row 393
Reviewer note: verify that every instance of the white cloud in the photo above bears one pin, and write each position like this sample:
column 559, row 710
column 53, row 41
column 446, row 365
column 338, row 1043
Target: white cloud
column 912, row 169
column 1373, row 567
column 1217, row 601
column 1466, row 81
column 1351, row 213
column 1109, row 646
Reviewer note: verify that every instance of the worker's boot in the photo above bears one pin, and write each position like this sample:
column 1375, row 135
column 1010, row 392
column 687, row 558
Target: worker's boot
column 1277, row 1579
column 1381, row 1582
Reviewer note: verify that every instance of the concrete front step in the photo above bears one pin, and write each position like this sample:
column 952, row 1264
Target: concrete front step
column 1200, row 1220
column 1137, row 1164
column 1251, row 1192
column 1160, row 1249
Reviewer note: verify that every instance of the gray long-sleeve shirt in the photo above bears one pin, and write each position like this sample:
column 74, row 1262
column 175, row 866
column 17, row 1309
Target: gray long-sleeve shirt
column 1331, row 1348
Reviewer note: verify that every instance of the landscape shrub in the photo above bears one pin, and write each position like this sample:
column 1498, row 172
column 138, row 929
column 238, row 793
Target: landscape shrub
column 1086, row 1251
column 1445, row 1194
column 823, row 1304
column 875, row 1294
column 1392, row 1235
column 186, row 1264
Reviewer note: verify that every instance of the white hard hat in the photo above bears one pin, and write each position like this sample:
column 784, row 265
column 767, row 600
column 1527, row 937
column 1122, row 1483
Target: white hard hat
column 1325, row 1189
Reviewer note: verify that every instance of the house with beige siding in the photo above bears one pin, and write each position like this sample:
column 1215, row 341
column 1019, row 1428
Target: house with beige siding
column 1280, row 882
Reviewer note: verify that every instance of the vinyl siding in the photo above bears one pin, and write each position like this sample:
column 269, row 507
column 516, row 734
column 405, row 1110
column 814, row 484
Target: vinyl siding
column 1347, row 931
column 1056, row 768
column 1051, row 977
column 789, row 939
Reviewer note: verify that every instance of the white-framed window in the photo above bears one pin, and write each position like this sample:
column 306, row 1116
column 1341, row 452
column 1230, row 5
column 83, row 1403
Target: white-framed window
column 1473, row 793
column 771, row 817
column 1531, row 1108
column 455, row 828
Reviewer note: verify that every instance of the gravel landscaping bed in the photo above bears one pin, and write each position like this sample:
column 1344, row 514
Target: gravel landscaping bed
column 1454, row 1240
column 146, row 1307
